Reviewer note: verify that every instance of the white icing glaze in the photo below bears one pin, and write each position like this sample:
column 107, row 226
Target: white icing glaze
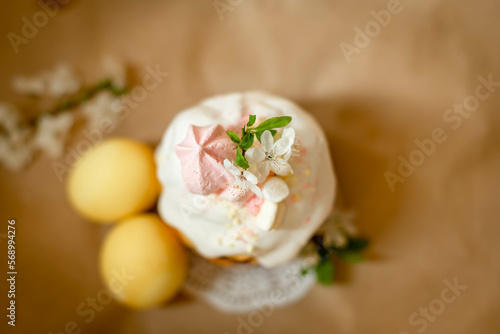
column 218, row 227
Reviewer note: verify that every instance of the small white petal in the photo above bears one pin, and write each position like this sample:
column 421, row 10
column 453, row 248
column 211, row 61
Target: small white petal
column 282, row 146
column 250, row 177
column 254, row 169
column 19, row 136
column 115, row 70
column 289, row 133
column 52, row 132
column 280, row 166
column 256, row 190
column 15, row 158
column 349, row 226
column 24, row 85
column 231, row 168
column 101, row 107
column 267, row 141
column 297, row 149
column 287, row 155
column 62, row 80
column 336, row 237
column 263, row 170
column 9, row 117
column 255, row 155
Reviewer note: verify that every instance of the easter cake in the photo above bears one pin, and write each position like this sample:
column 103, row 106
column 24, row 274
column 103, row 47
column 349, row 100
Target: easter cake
column 245, row 177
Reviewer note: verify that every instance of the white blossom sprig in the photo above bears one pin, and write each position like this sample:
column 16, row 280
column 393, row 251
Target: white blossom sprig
column 273, row 156
column 243, row 181
column 248, row 134
column 48, row 131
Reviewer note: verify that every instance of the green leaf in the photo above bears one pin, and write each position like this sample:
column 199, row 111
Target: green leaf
column 259, row 134
column 247, row 141
column 240, row 159
column 351, row 256
column 325, row 272
column 233, row 136
column 306, row 270
column 252, row 120
column 352, row 252
column 273, row 123
column 356, row 244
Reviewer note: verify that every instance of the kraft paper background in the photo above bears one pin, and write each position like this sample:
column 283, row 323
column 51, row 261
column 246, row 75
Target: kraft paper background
column 441, row 224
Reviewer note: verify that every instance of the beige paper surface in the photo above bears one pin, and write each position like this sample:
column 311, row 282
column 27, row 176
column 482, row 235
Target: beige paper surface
column 440, row 225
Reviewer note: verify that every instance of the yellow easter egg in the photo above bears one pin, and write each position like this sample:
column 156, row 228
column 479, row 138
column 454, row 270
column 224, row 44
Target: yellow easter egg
column 143, row 262
column 113, row 180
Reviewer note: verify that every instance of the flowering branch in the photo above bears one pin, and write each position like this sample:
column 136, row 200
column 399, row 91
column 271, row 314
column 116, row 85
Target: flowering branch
column 345, row 246
column 87, row 94
column 47, row 130
column 248, row 134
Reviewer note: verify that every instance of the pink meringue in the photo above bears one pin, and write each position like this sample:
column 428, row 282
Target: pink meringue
column 202, row 155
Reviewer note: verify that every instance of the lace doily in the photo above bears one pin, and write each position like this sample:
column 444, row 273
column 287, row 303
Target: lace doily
column 243, row 288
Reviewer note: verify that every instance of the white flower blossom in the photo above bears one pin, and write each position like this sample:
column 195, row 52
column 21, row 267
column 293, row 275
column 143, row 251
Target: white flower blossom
column 27, row 85
column 9, row 117
column 14, row 157
column 296, row 150
column 19, row 140
column 99, row 108
column 60, row 81
column 52, row 132
column 115, row 71
column 20, row 136
column 15, row 152
column 338, row 227
column 273, row 155
column 346, row 220
column 243, row 181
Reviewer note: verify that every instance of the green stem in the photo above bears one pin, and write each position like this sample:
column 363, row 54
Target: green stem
column 86, row 95
column 74, row 101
